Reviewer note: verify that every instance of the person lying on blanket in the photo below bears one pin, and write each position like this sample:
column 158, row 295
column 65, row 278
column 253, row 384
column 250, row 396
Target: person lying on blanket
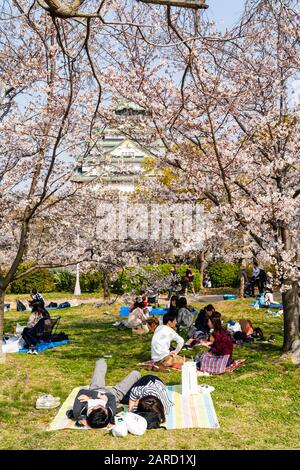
column 161, row 342
column 96, row 406
column 220, row 342
column 149, row 396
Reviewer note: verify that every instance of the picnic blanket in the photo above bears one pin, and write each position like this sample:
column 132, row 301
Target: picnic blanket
column 124, row 311
column 150, row 365
column 40, row 347
column 192, row 411
column 274, row 306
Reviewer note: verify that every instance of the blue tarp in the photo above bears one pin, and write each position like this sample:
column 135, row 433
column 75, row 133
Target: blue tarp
column 124, row 311
column 40, row 347
column 277, row 306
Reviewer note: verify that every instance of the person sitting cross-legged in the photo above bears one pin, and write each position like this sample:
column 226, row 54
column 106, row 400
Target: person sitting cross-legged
column 96, row 406
column 161, row 342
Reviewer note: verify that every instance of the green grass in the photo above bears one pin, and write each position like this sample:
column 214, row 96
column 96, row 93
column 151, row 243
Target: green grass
column 257, row 405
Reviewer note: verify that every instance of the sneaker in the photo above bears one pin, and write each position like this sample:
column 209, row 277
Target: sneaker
column 204, row 388
column 271, row 339
column 47, row 402
column 34, row 351
column 29, row 351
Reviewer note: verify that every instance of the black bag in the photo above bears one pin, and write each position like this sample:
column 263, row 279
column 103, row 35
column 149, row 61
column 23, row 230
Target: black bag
column 59, row 337
column 152, row 418
column 258, row 333
column 20, row 306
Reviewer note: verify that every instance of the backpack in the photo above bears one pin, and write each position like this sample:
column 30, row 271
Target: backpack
column 153, row 324
column 257, row 333
column 152, row 418
column 59, row 337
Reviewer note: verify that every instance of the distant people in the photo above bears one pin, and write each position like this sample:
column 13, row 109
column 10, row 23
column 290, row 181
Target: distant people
column 207, row 282
column 137, row 319
column 144, row 299
column 255, row 278
column 185, row 317
column 174, row 282
column 173, row 308
column 36, row 298
column 188, row 281
column 35, row 328
column 161, row 343
column 96, row 406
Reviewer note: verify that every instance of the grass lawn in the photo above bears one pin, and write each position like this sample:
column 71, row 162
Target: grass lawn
column 257, row 405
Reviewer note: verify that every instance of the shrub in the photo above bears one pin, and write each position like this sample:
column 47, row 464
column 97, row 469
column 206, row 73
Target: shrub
column 64, row 280
column 224, row 274
column 42, row 280
column 91, row 281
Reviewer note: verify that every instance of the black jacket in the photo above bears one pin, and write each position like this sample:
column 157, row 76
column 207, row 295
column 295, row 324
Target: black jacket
column 80, row 408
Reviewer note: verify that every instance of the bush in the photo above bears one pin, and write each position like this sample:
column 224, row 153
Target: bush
column 42, row 280
column 224, row 274
column 64, row 280
column 149, row 276
column 91, row 282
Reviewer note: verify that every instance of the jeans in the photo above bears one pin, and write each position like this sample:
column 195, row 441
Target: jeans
column 120, row 389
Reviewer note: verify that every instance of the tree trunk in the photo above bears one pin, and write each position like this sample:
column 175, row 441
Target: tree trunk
column 201, row 266
column 242, row 286
column 290, row 301
column 2, row 292
column 106, row 291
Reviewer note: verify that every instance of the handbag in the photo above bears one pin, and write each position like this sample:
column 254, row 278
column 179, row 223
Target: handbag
column 189, row 383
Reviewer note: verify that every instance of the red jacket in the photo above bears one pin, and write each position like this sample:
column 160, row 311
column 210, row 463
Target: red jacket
column 222, row 344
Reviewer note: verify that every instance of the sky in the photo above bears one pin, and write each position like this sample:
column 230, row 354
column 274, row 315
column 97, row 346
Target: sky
column 225, row 12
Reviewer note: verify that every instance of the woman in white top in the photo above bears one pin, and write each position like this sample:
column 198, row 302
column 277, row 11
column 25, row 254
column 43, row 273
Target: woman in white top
column 138, row 318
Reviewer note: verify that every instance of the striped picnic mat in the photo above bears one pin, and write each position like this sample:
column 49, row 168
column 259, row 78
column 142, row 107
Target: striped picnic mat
column 193, row 411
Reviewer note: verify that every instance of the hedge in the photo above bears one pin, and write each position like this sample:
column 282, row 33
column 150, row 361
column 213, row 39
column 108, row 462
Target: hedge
column 224, row 274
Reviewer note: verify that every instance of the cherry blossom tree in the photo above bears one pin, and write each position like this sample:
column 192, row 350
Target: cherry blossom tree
column 46, row 112
column 224, row 109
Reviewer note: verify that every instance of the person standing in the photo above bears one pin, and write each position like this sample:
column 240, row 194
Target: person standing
column 189, row 280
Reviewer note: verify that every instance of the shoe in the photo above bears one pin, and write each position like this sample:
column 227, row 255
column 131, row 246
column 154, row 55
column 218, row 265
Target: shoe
column 271, row 339
column 29, row 351
column 186, row 347
column 34, row 351
column 47, row 402
column 204, row 388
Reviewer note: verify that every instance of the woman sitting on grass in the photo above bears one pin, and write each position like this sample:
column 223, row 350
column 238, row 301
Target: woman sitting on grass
column 185, row 317
column 200, row 331
column 220, row 343
column 137, row 319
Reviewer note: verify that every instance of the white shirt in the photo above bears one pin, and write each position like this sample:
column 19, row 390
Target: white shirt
column 161, row 341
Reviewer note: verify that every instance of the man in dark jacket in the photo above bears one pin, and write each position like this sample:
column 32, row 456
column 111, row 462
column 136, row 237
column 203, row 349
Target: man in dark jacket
column 97, row 405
